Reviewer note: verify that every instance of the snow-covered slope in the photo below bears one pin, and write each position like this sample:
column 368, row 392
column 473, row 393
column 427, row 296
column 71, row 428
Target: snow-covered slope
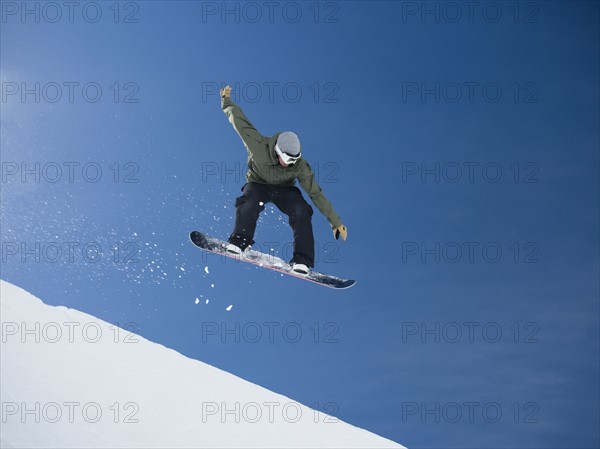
column 71, row 380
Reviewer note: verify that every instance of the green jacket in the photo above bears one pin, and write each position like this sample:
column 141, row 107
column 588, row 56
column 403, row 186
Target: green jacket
column 264, row 167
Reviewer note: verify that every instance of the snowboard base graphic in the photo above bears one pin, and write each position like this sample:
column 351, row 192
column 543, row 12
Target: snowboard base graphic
column 267, row 261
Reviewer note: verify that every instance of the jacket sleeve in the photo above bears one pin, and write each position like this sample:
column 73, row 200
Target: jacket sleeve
column 310, row 186
column 250, row 136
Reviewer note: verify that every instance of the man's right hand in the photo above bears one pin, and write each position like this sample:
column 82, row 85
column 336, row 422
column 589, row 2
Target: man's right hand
column 226, row 91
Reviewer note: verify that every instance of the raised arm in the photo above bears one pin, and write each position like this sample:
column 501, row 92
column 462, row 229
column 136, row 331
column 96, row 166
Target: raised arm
column 246, row 130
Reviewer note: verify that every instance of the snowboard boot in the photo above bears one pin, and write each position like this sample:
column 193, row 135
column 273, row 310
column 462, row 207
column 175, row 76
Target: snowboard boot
column 234, row 250
column 238, row 245
column 300, row 268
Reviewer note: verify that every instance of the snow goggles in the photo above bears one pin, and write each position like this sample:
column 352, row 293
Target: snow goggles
column 286, row 158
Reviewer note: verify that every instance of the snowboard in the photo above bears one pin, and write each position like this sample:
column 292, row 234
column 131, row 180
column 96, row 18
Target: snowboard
column 268, row 261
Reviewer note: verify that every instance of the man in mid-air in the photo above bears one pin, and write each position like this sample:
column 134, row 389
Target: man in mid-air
column 274, row 164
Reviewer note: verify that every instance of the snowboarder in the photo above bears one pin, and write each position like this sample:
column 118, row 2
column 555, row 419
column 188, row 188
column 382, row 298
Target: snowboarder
column 274, row 164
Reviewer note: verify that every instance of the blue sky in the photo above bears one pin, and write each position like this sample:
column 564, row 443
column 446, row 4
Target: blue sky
column 461, row 150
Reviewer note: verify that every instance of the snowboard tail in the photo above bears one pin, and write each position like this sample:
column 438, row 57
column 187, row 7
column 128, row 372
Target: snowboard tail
column 267, row 261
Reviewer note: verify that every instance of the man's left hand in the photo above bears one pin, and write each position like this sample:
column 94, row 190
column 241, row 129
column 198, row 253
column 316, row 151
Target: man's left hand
column 341, row 230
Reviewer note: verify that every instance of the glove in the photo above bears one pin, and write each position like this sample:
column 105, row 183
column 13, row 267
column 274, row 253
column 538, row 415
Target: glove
column 226, row 91
column 340, row 230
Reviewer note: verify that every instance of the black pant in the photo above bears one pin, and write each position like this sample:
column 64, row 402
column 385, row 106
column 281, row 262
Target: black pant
column 288, row 200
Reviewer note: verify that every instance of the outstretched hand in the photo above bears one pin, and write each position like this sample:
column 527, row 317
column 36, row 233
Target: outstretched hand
column 341, row 230
column 226, row 91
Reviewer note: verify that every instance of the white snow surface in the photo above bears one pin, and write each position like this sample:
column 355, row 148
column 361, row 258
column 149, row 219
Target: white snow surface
column 85, row 383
